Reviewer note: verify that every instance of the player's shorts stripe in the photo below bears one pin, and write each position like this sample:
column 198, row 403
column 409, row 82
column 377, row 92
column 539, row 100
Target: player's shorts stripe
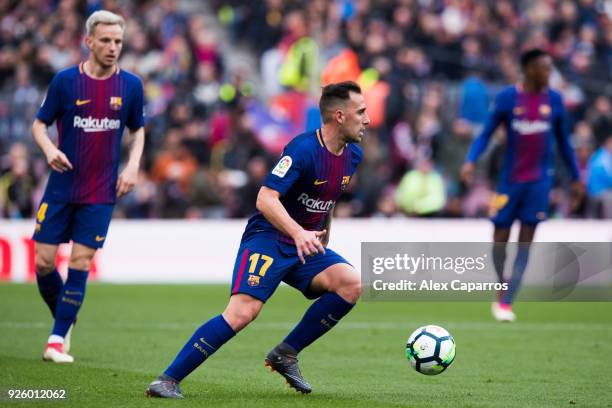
column 245, row 256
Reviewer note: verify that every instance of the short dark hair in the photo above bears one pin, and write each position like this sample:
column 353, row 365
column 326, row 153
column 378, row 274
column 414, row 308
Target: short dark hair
column 333, row 94
column 531, row 55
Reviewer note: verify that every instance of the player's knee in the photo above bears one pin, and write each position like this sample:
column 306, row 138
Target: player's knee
column 238, row 320
column 80, row 262
column 44, row 261
column 350, row 290
column 239, row 317
column 44, row 265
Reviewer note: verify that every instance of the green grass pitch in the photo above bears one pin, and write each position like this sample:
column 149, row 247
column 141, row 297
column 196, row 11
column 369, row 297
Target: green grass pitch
column 557, row 355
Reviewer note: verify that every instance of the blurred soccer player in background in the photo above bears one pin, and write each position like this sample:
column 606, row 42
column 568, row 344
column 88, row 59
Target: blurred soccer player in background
column 91, row 103
column 286, row 241
column 534, row 117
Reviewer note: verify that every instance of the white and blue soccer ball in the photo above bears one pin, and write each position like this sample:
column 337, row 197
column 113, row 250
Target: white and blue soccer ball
column 430, row 349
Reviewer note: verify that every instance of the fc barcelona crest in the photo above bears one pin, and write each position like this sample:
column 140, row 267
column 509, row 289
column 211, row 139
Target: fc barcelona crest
column 253, row 280
column 115, row 103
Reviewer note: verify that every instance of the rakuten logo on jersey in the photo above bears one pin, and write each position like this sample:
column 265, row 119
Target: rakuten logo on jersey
column 90, row 124
column 529, row 127
column 315, row 205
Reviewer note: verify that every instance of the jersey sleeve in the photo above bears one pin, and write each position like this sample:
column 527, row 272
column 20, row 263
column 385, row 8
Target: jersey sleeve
column 288, row 169
column 562, row 136
column 482, row 141
column 135, row 118
column 50, row 109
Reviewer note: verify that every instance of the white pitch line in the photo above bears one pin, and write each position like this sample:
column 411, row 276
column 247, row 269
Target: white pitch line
column 341, row 326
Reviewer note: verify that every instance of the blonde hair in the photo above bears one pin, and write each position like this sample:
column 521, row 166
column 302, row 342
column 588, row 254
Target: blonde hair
column 103, row 17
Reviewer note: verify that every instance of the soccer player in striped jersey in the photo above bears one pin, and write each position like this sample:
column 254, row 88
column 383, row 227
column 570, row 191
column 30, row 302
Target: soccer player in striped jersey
column 534, row 118
column 91, row 103
column 286, row 241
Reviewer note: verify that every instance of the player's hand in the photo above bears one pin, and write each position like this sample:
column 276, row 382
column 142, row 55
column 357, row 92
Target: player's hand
column 127, row 180
column 309, row 243
column 58, row 160
column 467, row 173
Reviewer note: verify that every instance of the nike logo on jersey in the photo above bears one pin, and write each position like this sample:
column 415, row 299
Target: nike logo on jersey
column 319, row 182
column 99, row 238
column 82, row 102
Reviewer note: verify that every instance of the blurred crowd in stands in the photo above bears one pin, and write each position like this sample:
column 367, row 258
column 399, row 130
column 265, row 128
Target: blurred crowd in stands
column 228, row 83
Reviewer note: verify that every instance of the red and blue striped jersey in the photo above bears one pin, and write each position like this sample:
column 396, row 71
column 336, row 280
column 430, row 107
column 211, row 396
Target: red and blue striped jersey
column 309, row 179
column 533, row 122
column 91, row 115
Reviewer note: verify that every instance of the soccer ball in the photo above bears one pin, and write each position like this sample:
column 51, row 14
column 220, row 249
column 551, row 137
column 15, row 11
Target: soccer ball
column 430, row 349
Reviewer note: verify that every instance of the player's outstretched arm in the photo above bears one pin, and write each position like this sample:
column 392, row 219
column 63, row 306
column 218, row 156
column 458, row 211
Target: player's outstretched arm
column 55, row 157
column 306, row 242
column 128, row 177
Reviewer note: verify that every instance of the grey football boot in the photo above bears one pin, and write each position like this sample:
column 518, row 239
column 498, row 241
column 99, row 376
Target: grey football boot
column 164, row 387
column 283, row 360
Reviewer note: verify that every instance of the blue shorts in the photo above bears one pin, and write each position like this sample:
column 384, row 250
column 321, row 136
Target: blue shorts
column 86, row 224
column 527, row 202
column 262, row 263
